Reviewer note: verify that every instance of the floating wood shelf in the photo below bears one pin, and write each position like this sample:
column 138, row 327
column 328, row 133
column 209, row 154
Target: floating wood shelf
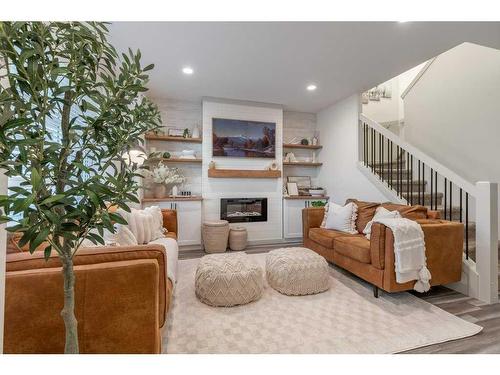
column 242, row 173
column 306, row 197
column 175, row 160
column 305, row 147
column 154, row 137
column 172, row 199
column 302, row 164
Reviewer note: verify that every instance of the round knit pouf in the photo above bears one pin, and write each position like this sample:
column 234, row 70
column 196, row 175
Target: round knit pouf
column 238, row 238
column 297, row 271
column 228, row 280
column 215, row 235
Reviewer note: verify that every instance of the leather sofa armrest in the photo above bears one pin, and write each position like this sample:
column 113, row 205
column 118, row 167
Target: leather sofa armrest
column 431, row 214
column 170, row 220
column 377, row 245
column 100, row 254
column 443, row 250
column 116, row 305
column 311, row 218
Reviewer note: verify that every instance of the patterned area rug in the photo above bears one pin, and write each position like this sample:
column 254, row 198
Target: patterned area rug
column 345, row 319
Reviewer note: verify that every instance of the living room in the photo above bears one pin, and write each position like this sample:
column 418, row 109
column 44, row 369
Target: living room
column 182, row 187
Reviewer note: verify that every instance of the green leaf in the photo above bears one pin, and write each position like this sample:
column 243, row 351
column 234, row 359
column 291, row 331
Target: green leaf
column 35, row 179
column 46, row 252
column 52, row 199
column 41, row 236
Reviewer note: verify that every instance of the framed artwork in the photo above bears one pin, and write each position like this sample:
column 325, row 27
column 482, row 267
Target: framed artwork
column 241, row 138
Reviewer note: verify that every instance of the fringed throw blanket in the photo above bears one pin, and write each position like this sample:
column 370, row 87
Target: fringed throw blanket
column 409, row 252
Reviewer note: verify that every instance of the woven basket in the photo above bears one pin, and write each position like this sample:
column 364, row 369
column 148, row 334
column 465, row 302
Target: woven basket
column 238, row 238
column 215, row 236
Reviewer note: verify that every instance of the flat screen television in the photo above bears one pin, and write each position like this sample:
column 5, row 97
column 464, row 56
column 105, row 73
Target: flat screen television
column 241, row 138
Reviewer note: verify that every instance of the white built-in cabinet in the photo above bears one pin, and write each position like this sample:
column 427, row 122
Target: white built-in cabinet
column 292, row 215
column 188, row 219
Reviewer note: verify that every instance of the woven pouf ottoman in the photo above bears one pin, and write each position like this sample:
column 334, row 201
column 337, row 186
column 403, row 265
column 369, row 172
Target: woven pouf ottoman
column 238, row 237
column 297, row 271
column 215, row 236
column 228, row 280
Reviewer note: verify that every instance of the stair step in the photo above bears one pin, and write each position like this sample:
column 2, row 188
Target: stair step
column 404, row 182
column 386, row 164
column 414, row 197
column 386, row 173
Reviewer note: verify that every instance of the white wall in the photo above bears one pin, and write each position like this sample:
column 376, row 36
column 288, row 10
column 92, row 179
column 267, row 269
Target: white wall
column 452, row 113
column 216, row 188
column 391, row 110
column 339, row 174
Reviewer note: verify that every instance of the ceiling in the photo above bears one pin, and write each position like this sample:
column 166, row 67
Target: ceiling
column 273, row 62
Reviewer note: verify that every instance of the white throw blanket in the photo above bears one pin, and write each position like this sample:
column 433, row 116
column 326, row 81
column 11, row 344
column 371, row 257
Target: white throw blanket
column 409, row 252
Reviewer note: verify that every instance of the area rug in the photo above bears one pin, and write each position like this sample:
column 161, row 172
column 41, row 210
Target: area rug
column 345, row 319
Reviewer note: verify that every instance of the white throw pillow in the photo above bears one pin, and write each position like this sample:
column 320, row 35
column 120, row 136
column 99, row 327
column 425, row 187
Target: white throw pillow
column 124, row 237
column 342, row 218
column 146, row 225
column 380, row 213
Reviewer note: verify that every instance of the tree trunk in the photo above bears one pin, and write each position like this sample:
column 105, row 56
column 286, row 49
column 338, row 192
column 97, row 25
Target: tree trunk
column 68, row 312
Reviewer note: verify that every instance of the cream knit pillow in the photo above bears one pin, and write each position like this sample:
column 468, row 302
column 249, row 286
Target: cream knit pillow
column 124, row 237
column 380, row 213
column 146, row 225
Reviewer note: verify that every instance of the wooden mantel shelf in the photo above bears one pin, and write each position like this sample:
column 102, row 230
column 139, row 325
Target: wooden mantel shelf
column 242, row 173
column 305, row 147
column 160, row 137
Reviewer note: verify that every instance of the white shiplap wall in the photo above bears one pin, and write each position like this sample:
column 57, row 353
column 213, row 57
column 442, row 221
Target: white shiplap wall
column 216, row 188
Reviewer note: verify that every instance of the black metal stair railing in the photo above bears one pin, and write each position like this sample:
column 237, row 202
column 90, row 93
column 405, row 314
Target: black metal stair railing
column 396, row 167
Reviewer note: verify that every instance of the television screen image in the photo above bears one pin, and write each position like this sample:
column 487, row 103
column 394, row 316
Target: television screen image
column 240, row 138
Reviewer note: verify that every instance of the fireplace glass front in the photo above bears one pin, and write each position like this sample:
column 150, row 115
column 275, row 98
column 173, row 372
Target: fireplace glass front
column 243, row 210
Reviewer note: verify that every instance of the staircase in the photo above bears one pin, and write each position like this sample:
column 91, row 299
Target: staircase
column 400, row 177
column 406, row 175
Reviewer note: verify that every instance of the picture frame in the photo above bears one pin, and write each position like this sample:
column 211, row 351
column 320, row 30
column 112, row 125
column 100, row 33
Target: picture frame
column 292, row 188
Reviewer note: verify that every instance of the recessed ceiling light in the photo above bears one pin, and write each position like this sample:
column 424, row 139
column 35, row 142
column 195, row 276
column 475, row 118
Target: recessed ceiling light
column 187, row 70
column 402, row 21
column 311, row 87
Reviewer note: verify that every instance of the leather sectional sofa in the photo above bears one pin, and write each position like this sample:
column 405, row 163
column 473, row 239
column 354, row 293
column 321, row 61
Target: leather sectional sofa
column 373, row 260
column 122, row 298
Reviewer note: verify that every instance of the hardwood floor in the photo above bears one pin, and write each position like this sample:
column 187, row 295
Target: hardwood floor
column 470, row 309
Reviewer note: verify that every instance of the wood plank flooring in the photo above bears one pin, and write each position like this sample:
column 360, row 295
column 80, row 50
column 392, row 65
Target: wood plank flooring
column 470, row 309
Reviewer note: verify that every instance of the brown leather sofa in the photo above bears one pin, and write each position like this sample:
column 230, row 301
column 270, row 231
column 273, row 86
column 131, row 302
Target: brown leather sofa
column 122, row 298
column 373, row 260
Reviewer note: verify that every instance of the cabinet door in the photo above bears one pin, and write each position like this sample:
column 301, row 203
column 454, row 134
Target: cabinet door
column 292, row 212
column 188, row 220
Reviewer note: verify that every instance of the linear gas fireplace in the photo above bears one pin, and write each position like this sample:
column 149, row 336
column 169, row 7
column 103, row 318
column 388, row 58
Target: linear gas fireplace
column 243, row 210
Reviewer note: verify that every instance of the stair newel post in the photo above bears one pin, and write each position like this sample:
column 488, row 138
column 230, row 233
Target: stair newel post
column 487, row 240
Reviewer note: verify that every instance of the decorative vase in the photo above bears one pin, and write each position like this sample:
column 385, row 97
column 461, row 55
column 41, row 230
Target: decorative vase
column 160, row 191
column 175, row 191
column 196, row 132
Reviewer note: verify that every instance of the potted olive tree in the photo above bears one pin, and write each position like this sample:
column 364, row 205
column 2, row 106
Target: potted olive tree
column 70, row 111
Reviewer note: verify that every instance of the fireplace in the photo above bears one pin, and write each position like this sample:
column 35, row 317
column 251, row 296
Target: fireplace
column 243, row 210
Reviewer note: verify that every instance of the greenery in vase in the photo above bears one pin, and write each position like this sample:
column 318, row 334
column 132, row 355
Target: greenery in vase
column 68, row 74
column 162, row 174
